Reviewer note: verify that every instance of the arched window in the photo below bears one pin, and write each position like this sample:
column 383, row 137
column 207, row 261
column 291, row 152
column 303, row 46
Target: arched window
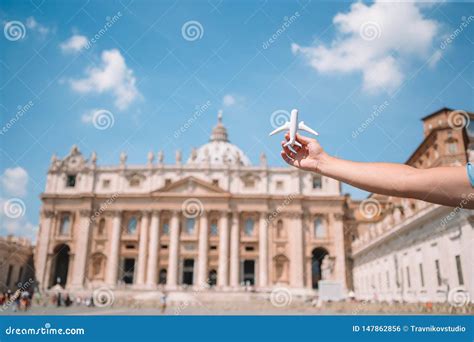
column 132, row 225
column 319, row 228
column 280, row 230
column 249, row 227
column 190, row 224
column 101, row 229
column 166, row 227
column 162, row 277
column 214, row 230
column 65, row 225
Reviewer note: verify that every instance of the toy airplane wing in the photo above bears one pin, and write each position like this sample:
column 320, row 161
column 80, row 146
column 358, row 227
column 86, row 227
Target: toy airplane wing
column 283, row 127
column 303, row 127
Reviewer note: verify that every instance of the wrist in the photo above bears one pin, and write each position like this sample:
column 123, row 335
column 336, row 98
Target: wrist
column 323, row 164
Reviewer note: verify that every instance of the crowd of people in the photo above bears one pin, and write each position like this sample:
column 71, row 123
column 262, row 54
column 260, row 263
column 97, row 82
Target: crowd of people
column 20, row 300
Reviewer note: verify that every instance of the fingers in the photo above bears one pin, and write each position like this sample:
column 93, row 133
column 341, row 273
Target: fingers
column 287, row 150
column 303, row 140
column 287, row 159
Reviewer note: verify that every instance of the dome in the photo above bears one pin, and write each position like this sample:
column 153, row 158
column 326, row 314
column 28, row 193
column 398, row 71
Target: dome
column 219, row 151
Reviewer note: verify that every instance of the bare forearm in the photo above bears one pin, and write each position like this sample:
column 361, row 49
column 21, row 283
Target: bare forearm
column 442, row 185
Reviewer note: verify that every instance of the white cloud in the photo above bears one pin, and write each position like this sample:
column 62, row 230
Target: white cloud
column 228, row 100
column 74, row 44
column 33, row 25
column 19, row 227
column 113, row 77
column 14, row 181
column 378, row 40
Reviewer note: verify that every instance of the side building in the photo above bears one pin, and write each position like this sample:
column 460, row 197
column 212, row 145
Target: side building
column 16, row 263
column 410, row 250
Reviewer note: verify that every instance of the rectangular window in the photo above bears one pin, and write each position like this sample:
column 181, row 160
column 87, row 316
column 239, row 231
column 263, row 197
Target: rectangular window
column 422, row 276
column 317, row 183
column 190, row 223
column 20, row 275
column 65, row 225
column 106, row 183
column 71, row 181
column 459, row 269
column 214, row 229
column 9, row 274
column 215, row 182
column 166, row 228
column 279, row 185
column 438, row 272
column 408, row 276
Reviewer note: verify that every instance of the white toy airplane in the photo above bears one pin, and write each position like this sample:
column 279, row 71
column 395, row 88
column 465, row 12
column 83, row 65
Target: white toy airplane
column 294, row 126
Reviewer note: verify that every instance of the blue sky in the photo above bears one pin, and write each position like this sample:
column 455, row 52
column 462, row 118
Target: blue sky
column 335, row 62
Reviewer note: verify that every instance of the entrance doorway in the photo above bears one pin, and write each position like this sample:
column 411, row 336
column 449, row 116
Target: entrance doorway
column 61, row 265
column 188, row 271
column 249, row 272
column 128, row 270
column 318, row 255
column 212, row 278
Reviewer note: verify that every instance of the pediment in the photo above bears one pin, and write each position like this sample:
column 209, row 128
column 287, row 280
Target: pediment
column 191, row 185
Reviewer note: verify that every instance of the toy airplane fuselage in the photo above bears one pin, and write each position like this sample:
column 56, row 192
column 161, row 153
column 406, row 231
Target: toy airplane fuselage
column 293, row 126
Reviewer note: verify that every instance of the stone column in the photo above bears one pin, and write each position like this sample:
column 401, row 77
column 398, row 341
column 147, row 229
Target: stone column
column 263, row 251
column 296, row 252
column 340, row 253
column 142, row 249
column 81, row 249
column 153, row 248
column 172, row 280
column 42, row 248
column 114, row 256
column 203, row 249
column 223, row 271
column 234, row 250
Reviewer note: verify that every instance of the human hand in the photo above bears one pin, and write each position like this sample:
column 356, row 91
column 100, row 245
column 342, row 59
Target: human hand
column 307, row 157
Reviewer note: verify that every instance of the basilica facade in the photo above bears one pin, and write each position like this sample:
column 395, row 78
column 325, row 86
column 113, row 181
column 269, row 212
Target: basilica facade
column 214, row 221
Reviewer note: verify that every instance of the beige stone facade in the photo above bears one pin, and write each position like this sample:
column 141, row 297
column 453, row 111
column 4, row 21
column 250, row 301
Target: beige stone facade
column 16, row 262
column 215, row 221
column 409, row 250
